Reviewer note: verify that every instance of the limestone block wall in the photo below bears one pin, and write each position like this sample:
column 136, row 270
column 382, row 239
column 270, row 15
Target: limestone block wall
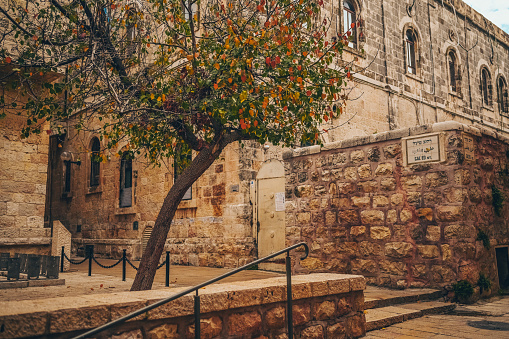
column 211, row 229
column 325, row 306
column 362, row 211
column 384, row 96
column 215, row 228
column 23, row 175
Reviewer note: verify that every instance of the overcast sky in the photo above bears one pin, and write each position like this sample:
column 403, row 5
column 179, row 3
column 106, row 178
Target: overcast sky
column 497, row 11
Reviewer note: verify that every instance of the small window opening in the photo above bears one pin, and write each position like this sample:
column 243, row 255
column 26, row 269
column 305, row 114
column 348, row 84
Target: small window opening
column 410, row 44
column 179, row 165
column 126, row 182
column 453, row 74
column 349, row 23
column 503, row 97
column 486, row 88
column 95, row 165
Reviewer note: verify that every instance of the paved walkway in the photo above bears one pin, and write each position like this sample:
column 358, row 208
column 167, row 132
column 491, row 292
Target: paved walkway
column 77, row 281
column 491, row 320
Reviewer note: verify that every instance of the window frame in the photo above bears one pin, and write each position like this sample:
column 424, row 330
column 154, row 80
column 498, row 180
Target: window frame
column 454, row 74
column 349, row 16
column 176, row 169
column 502, row 95
column 95, row 166
column 486, row 87
column 411, row 45
column 124, row 185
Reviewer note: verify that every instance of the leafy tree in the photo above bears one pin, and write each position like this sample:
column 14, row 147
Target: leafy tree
column 165, row 77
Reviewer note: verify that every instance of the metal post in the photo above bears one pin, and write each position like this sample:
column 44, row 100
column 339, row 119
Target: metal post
column 197, row 316
column 123, row 265
column 289, row 310
column 167, row 268
column 62, row 260
column 90, row 252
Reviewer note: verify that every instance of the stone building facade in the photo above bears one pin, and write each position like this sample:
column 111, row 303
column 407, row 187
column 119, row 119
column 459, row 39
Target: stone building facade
column 413, row 63
column 457, row 70
column 363, row 210
column 212, row 227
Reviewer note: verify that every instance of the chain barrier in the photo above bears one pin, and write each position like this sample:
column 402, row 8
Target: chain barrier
column 74, row 262
column 124, row 260
column 131, row 264
column 106, row 266
column 161, row 265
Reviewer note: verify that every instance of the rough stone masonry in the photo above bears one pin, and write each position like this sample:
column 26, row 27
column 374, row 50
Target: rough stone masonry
column 363, row 211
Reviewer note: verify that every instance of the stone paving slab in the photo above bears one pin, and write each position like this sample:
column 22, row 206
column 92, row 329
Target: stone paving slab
column 448, row 326
column 77, row 281
column 380, row 297
column 385, row 316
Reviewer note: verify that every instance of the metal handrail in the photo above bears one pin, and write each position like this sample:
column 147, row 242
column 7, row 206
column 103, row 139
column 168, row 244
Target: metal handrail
column 211, row 281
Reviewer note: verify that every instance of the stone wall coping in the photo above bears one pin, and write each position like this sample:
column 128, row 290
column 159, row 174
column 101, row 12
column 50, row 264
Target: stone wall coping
column 25, row 241
column 64, row 314
column 89, row 241
column 476, row 129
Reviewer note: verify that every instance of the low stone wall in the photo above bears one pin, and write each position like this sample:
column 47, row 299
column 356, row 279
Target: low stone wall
column 362, row 210
column 325, row 306
column 25, row 240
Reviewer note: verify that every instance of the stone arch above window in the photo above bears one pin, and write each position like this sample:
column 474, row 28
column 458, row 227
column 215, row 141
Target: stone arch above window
column 411, row 50
column 95, row 164
column 502, row 95
column 486, row 87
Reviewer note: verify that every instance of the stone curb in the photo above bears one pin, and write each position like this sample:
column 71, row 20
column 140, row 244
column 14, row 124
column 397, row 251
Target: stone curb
column 477, row 130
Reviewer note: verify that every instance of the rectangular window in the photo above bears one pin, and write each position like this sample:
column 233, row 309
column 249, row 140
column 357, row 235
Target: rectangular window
column 67, row 177
column 126, row 183
column 178, row 168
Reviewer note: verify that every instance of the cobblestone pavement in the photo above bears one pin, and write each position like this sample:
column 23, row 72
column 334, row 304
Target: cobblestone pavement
column 77, row 281
column 488, row 319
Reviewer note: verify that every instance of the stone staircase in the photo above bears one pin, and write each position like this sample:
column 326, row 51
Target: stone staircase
column 384, row 307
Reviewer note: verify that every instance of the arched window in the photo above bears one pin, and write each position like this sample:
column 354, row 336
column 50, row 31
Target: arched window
column 126, row 182
column 349, row 23
column 95, row 165
column 180, row 163
column 486, row 87
column 410, row 51
column 503, row 100
column 454, row 77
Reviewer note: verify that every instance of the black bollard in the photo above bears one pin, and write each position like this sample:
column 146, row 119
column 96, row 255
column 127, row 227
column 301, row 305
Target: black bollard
column 89, row 250
column 62, row 259
column 167, row 268
column 124, row 259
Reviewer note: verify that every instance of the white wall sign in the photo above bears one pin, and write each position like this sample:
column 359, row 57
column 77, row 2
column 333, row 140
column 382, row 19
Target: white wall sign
column 280, row 201
column 424, row 148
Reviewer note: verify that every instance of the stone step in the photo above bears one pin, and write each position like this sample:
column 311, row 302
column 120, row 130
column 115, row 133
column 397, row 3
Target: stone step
column 375, row 297
column 378, row 318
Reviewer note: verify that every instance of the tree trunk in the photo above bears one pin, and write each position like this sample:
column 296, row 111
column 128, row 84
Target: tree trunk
column 155, row 246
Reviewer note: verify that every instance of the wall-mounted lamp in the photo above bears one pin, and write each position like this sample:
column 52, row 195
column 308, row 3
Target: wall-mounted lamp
column 67, row 157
